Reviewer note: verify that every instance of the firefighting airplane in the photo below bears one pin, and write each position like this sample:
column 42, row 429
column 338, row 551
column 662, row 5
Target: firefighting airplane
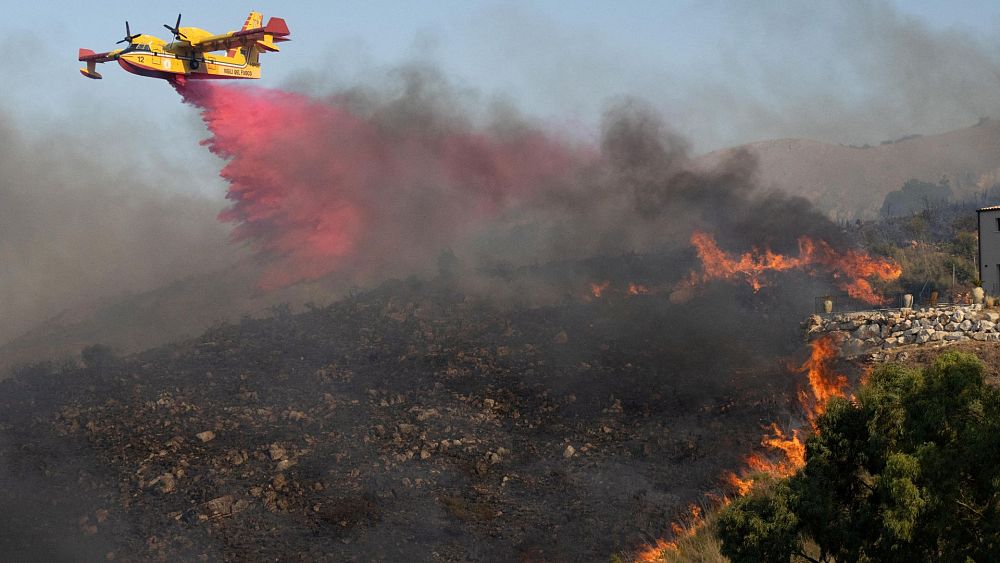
column 190, row 54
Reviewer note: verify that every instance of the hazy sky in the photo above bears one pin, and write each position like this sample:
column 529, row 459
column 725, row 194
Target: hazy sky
column 721, row 72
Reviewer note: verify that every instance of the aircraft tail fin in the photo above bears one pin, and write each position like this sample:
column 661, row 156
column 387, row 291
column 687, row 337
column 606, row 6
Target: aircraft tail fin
column 254, row 20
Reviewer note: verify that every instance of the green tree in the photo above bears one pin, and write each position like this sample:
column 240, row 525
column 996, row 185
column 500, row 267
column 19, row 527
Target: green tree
column 909, row 471
column 916, row 196
column 760, row 527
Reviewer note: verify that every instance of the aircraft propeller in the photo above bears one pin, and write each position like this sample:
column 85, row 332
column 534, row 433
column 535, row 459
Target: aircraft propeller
column 128, row 35
column 176, row 30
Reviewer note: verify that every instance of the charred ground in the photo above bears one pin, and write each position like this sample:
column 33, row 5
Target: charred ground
column 411, row 422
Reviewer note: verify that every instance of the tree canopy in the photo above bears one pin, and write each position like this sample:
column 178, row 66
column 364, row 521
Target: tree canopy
column 907, row 471
column 915, row 196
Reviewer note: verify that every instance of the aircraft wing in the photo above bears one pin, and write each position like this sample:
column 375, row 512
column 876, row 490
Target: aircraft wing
column 264, row 38
column 90, row 56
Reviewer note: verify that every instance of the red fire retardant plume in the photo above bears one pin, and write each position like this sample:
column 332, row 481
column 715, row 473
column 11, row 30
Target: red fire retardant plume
column 316, row 189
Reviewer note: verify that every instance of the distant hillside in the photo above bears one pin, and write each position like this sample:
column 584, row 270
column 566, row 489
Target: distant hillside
column 849, row 182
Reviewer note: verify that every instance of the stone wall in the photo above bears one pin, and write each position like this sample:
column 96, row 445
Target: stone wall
column 874, row 332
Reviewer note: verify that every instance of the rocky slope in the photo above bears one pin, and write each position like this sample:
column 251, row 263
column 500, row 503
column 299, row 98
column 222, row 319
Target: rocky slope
column 409, row 423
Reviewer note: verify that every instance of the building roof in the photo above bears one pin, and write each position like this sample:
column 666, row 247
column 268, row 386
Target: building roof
column 990, row 208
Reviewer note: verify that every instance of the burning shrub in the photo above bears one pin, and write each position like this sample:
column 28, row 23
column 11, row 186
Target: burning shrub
column 905, row 472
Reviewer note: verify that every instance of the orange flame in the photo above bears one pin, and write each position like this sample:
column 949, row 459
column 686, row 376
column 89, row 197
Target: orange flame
column 654, row 552
column 742, row 486
column 636, row 289
column 788, row 452
column 823, row 383
column 850, row 268
column 596, row 289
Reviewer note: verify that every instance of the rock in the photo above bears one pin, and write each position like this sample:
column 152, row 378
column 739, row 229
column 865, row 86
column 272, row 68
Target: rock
column 221, row 506
column 951, row 327
column 569, row 452
column 561, row 337
column 424, row 454
column 986, row 325
column 852, row 347
column 277, row 452
column 953, row 336
column 992, row 317
column 980, row 336
column 813, row 323
column 206, row 436
column 958, row 316
column 965, row 325
column 167, row 483
column 279, row 481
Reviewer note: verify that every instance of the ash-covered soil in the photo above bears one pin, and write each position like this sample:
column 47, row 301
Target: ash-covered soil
column 409, row 423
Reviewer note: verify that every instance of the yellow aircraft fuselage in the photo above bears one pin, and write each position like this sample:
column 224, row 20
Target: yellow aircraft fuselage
column 171, row 59
column 196, row 53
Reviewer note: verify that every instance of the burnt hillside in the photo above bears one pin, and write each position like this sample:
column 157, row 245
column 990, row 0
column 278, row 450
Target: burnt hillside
column 407, row 423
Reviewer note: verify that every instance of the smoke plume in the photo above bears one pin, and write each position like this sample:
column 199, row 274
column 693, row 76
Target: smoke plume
column 319, row 187
column 363, row 184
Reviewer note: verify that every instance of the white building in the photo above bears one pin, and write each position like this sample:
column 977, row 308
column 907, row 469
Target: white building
column 989, row 248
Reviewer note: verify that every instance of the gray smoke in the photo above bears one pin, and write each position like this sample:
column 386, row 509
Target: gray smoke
column 78, row 224
column 843, row 72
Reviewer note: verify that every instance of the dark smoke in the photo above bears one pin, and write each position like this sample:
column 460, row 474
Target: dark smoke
column 364, row 184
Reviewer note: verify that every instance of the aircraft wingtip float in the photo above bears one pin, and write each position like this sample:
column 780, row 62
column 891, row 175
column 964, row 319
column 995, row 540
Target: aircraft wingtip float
column 194, row 53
